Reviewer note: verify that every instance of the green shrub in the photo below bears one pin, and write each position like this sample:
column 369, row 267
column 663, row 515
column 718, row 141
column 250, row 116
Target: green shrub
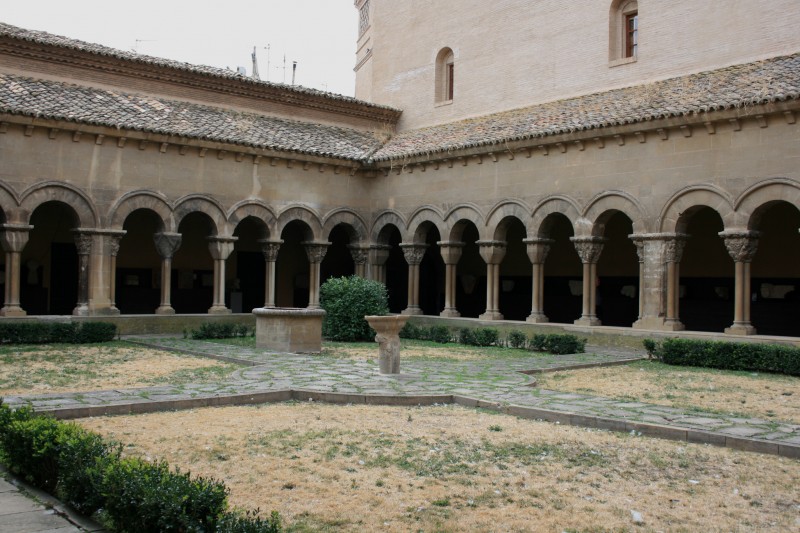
column 652, row 348
column 218, row 330
column 516, row 339
column 31, row 449
column 467, row 336
column 83, row 458
column 410, row 331
column 143, row 496
column 440, row 334
column 236, row 522
column 92, row 332
column 557, row 344
column 346, row 301
column 478, row 336
column 56, row 332
column 730, row 355
column 537, row 342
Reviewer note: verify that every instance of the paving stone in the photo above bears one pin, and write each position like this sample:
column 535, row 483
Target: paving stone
column 741, row 431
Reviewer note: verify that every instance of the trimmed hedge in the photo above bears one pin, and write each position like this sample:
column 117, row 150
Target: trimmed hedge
column 722, row 355
column 214, row 330
column 557, row 344
column 346, row 302
column 440, row 334
column 56, row 332
column 86, row 472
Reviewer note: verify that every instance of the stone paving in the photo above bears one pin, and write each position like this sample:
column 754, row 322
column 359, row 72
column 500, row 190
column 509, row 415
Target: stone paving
column 498, row 382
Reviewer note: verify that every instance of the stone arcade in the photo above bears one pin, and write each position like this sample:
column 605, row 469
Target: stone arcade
column 604, row 164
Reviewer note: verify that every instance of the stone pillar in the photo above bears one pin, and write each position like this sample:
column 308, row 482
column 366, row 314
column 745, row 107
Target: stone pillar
column 413, row 254
column 270, row 250
column 378, row 255
column 112, row 241
column 220, row 248
column 14, row 238
column 492, row 253
column 537, row 253
column 742, row 246
column 316, row 253
column 166, row 246
column 360, row 255
column 673, row 253
column 451, row 253
column 589, row 250
column 83, row 243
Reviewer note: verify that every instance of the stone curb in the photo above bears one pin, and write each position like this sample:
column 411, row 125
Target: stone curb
column 60, row 508
column 676, row 433
column 196, row 353
column 581, row 366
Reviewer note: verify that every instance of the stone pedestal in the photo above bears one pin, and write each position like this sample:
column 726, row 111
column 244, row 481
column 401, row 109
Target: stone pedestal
column 388, row 339
column 289, row 330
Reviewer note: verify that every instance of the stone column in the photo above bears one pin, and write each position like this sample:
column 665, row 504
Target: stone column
column 492, row 253
column 537, row 253
column 112, row 241
column 451, row 253
column 413, row 254
column 673, row 253
column 360, row 254
column 220, row 248
column 83, row 243
column 378, row 255
column 742, row 246
column 166, row 246
column 316, row 253
column 14, row 238
column 270, row 250
column 589, row 250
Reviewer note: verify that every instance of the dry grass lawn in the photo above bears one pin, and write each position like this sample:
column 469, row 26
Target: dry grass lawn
column 70, row 368
column 360, row 468
column 749, row 393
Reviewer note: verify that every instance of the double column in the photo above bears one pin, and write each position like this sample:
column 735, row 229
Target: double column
column 220, row 248
column 659, row 280
column 537, row 253
column 742, row 246
column 316, row 253
column 14, row 238
column 451, row 253
column 360, row 255
column 589, row 250
column 413, row 254
column 378, row 256
column 270, row 250
column 492, row 253
column 166, row 246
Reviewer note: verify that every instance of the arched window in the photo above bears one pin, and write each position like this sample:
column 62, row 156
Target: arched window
column 624, row 30
column 445, row 71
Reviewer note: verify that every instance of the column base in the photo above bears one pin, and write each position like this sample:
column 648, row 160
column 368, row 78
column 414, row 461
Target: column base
column 219, row 310
column 588, row 321
column 450, row 313
column 658, row 324
column 104, row 311
column 165, row 310
column 411, row 311
column 538, row 318
column 13, row 310
column 81, row 310
column 740, row 329
column 491, row 315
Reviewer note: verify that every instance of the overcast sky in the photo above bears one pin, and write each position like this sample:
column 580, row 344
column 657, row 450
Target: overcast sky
column 319, row 34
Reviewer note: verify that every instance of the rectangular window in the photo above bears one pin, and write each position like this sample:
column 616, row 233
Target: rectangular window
column 450, row 83
column 631, row 34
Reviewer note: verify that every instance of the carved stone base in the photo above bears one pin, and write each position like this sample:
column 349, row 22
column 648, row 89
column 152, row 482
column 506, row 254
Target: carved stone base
column 81, row 310
column 411, row 311
column 491, row 315
column 219, row 310
column 165, row 310
column 538, row 318
column 13, row 311
column 588, row 321
column 387, row 329
column 740, row 329
column 658, row 324
column 450, row 313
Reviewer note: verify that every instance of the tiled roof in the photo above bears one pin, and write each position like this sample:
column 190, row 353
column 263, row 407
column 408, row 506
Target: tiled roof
column 738, row 86
column 61, row 101
column 7, row 30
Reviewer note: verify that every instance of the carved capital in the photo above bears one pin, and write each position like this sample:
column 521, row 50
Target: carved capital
column 673, row 249
column 316, row 251
column 359, row 253
column 270, row 249
column 14, row 236
column 451, row 251
column 83, row 242
column 588, row 248
column 167, row 243
column 379, row 254
column 492, row 252
column 741, row 245
column 221, row 247
column 538, row 249
column 413, row 252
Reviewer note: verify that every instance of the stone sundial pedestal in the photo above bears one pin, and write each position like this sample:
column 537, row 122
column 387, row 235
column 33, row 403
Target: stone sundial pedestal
column 388, row 338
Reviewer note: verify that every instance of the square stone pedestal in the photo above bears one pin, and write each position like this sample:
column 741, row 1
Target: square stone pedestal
column 289, row 330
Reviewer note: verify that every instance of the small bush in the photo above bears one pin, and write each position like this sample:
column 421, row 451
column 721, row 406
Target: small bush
column 440, row 334
column 143, row 496
column 56, row 332
column 478, row 336
column 557, row 344
column 248, row 522
column 729, row 355
column 516, row 339
column 346, row 302
column 537, row 342
column 467, row 336
column 652, row 348
column 410, row 331
column 83, row 457
column 92, row 332
column 218, row 330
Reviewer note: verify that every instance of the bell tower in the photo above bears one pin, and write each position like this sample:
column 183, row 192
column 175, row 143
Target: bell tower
column 364, row 46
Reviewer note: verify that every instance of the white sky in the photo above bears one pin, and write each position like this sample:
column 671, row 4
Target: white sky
column 319, row 34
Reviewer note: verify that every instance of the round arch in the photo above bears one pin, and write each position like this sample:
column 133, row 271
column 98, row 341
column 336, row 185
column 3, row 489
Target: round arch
column 51, row 191
column 420, row 219
column 351, row 221
column 384, row 220
column 302, row 214
column 605, row 205
column 135, row 200
column 9, row 202
column 496, row 221
column 457, row 217
column 751, row 204
column 197, row 203
column 558, row 204
column 674, row 216
column 253, row 209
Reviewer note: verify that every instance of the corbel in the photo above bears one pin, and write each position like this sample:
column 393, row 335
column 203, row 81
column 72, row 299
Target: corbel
column 183, row 149
column 202, row 152
column 422, row 167
column 620, row 139
column 449, row 163
column 663, row 133
column 398, row 170
column 561, row 147
column 322, row 167
column 273, row 161
column 53, row 133
column 478, row 159
column 789, row 116
column 353, row 171
column 29, row 130
column 384, row 170
column 99, row 140
column 510, row 155
column 338, row 169
column 710, row 128
column 600, row 143
column 762, row 121
column 641, row 136
column 256, row 160
column 239, row 157
column 163, row 148
column 545, row 150
column 306, row 165
column 76, row 137
column 121, row 142
column 436, row 165
column 142, row 144
column 221, row 154
column 464, row 161
column 409, row 168
column 493, row 156
column 290, row 163
column 735, row 124
column 580, row 146
column 3, row 127
column 527, row 151
column 686, row 130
